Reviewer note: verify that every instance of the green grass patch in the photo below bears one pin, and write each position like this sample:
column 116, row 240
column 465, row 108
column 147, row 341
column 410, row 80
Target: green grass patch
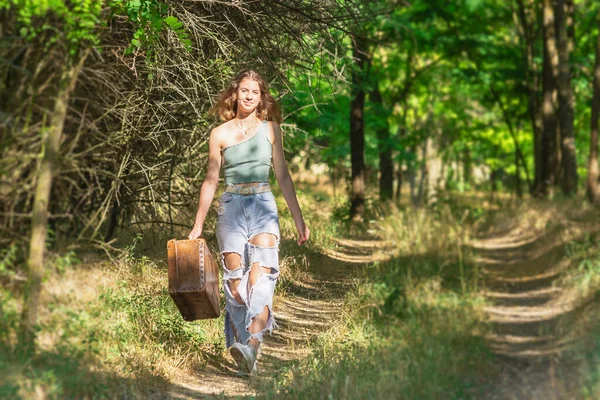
column 414, row 324
column 111, row 330
column 124, row 340
column 428, row 345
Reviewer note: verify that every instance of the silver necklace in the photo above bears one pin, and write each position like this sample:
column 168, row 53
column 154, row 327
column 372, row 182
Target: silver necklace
column 246, row 130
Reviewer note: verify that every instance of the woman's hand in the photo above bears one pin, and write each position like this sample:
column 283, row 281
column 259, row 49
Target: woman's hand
column 303, row 232
column 196, row 232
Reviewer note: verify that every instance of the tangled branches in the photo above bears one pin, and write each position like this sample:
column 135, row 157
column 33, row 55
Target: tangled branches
column 133, row 149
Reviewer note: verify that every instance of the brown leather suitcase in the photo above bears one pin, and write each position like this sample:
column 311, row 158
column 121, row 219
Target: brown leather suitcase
column 193, row 279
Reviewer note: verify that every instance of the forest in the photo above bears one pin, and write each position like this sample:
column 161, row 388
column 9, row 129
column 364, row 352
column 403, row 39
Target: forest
column 444, row 154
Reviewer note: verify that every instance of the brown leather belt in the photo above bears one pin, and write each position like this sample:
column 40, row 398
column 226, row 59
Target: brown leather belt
column 247, row 190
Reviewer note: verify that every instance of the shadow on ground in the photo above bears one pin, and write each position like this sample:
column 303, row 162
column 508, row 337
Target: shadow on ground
column 533, row 315
column 67, row 374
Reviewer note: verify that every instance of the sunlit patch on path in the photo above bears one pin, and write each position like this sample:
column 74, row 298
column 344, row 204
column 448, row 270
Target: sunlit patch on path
column 361, row 251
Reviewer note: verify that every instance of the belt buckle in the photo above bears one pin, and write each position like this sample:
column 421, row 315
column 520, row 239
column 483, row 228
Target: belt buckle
column 245, row 190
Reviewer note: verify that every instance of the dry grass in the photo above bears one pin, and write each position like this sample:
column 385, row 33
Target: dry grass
column 418, row 323
column 412, row 319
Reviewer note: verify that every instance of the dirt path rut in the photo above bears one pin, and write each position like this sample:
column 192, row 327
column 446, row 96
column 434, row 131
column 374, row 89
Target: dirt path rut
column 531, row 315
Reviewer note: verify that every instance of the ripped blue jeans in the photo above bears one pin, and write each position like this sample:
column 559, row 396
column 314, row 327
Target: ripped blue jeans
column 240, row 218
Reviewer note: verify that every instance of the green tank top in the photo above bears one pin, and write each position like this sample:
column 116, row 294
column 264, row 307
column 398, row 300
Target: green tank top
column 250, row 160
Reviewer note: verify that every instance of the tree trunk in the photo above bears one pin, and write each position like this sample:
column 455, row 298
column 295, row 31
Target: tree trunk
column 386, row 166
column 532, row 84
column 570, row 20
column 398, row 194
column 518, row 189
column 565, row 105
column 332, row 175
column 411, row 170
column 399, row 178
column 549, row 150
column 592, row 181
column 434, row 169
column 420, row 193
column 35, row 261
column 357, row 128
column 493, row 184
column 113, row 221
column 169, row 199
column 467, row 169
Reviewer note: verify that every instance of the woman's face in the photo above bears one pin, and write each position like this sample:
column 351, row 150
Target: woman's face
column 248, row 95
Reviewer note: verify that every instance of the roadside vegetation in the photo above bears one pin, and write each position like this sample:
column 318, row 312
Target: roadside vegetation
column 109, row 327
column 412, row 323
column 416, row 326
column 412, row 326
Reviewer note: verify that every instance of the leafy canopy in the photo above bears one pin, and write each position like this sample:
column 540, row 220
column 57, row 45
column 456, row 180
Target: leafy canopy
column 78, row 22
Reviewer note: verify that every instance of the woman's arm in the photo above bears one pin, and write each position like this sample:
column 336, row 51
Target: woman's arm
column 287, row 186
column 209, row 185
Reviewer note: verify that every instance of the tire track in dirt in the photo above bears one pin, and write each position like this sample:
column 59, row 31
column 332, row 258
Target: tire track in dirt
column 529, row 312
column 307, row 309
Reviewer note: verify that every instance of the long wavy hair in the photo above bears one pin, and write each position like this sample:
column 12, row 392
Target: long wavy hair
column 226, row 105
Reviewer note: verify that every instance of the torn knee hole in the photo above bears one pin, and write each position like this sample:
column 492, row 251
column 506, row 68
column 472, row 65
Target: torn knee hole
column 266, row 270
column 266, row 311
column 263, row 269
column 257, row 272
column 232, row 266
column 233, row 289
column 231, row 260
column 233, row 282
column 268, row 240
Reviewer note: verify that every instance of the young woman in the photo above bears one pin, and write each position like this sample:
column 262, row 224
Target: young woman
column 246, row 145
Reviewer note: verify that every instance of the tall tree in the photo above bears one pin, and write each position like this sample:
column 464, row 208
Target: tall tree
column 386, row 165
column 528, row 20
column 37, row 244
column 357, row 126
column 549, row 148
column 566, row 103
column 592, row 181
column 434, row 166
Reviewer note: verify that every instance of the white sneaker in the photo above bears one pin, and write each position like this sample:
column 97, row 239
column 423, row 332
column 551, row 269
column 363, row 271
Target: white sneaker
column 254, row 371
column 244, row 356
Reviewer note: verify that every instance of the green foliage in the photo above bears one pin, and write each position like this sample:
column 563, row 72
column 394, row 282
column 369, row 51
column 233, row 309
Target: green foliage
column 590, row 387
column 7, row 261
column 150, row 316
column 75, row 22
column 150, row 18
column 315, row 107
column 8, row 315
column 78, row 22
column 65, row 261
column 179, row 30
column 585, row 254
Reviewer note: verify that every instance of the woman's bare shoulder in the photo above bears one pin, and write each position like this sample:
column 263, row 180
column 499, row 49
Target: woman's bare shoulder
column 274, row 131
column 274, row 125
column 220, row 131
column 224, row 127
